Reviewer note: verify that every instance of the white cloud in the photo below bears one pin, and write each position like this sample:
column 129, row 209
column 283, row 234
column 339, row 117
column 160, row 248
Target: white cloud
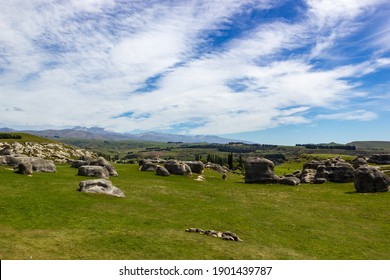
column 80, row 62
column 358, row 115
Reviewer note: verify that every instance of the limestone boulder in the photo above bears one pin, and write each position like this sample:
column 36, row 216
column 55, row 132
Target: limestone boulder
column 341, row 172
column 162, row 171
column 43, row 165
column 13, row 160
column 379, row 159
column 290, row 180
column 369, row 179
column 101, row 161
column 308, row 175
column 25, row 168
column 359, row 161
column 260, row 170
column 148, row 166
column 196, row 166
column 101, row 186
column 94, row 171
column 217, row 167
column 38, row 164
column 78, row 163
column 177, row 167
column 6, row 150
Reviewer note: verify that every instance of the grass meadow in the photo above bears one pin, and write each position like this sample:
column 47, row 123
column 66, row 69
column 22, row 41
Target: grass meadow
column 45, row 217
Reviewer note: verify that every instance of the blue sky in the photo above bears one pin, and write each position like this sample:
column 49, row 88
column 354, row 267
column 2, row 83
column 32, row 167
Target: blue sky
column 281, row 72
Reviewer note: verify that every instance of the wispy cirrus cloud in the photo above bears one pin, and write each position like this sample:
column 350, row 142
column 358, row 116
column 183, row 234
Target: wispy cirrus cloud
column 200, row 67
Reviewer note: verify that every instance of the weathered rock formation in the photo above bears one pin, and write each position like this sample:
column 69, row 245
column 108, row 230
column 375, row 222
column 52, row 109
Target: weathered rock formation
column 94, row 171
column 217, row 167
column 148, row 166
column 25, row 168
column 379, row 159
column 333, row 170
column 37, row 164
column 260, row 170
column 226, row 235
column 162, row 171
column 369, row 179
column 308, row 175
column 196, row 166
column 177, row 167
column 100, row 161
column 57, row 152
column 155, row 161
column 359, row 161
column 102, row 186
column 290, row 180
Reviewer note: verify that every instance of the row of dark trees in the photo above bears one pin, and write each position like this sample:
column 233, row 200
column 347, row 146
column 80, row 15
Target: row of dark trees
column 234, row 147
column 322, row 146
column 9, row 136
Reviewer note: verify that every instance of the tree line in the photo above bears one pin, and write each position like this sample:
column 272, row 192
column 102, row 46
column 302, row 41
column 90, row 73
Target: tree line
column 9, row 136
column 322, row 146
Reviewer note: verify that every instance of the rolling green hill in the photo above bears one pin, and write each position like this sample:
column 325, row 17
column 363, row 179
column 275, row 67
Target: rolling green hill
column 372, row 145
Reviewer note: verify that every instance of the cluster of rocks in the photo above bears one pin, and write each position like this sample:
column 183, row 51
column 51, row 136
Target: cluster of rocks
column 57, row 152
column 91, row 167
column 27, row 165
column 101, row 169
column 176, row 167
column 366, row 178
column 226, row 235
column 31, row 157
column 333, row 170
column 168, row 167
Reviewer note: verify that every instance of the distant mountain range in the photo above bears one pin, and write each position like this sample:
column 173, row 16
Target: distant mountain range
column 99, row 133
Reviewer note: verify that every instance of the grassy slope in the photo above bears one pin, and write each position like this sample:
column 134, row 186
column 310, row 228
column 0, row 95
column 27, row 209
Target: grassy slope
column 44, row 217
column 376, row 145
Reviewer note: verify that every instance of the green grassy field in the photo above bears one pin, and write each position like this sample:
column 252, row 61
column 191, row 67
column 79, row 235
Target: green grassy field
column 45, row 217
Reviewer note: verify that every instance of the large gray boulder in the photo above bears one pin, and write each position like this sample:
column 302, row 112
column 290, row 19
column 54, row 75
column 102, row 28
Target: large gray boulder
column 38, row 164
column 359, row 161
column 101, row 161
column 162, row 171
column 43, row 165
column 196, row 166
column 217, row 167
column 78, row 163
column 94, row 171
column 13, row 160
column 290, row 180
column 369, row 179
column 260, row 170
column 102, row 186
column 379, row 159
column 341, row 173
column 148, row 166
column 25, row 168
column 177, row 167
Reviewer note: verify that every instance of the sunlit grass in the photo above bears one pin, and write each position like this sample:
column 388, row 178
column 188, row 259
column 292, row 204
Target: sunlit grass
column 45, row 217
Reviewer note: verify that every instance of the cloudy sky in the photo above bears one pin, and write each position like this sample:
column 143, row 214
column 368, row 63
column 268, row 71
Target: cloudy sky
column 269, row 71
